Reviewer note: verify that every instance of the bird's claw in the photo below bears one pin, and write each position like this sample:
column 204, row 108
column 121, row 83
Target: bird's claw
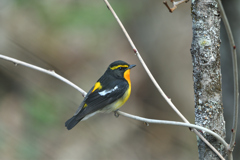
column 116, row 114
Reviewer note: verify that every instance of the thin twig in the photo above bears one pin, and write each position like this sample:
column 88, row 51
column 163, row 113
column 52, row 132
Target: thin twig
column 153, row 79
column 50, row 72
column 175, row 4
column 155, row 121
column 235, row 72
column 235, row 75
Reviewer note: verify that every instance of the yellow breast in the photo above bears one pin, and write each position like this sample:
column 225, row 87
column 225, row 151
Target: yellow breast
column 118, row 103
column 126, row 95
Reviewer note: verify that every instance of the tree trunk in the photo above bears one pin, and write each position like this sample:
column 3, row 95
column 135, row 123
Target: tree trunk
column 207, row 77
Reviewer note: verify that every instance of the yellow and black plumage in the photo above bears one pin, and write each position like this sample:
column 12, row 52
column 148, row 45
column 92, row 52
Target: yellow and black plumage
column 108, row 94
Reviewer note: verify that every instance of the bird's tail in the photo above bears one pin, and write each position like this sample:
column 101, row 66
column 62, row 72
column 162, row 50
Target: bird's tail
column 72, row 122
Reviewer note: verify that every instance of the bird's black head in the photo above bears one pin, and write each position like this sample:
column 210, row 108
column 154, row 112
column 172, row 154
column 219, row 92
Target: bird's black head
column 118, row 68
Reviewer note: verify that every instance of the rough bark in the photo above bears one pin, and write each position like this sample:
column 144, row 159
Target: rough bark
column 205, row 52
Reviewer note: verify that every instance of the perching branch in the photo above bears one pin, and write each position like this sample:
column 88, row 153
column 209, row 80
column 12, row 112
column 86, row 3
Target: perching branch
column 175, row 4
column 154, row 81
column 52, row 73
column 155, row 121
column 235, row 75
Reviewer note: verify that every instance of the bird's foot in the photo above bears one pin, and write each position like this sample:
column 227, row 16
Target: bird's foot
column 116, row 114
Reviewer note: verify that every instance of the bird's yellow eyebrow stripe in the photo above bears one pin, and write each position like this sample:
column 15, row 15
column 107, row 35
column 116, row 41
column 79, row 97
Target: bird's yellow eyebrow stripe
column 116, row 67
column 97, row 86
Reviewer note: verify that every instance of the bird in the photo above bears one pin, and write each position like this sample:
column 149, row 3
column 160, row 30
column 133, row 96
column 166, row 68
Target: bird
column 108, row 94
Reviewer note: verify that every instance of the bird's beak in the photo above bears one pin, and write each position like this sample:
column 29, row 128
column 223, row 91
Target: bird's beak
column 131, row 66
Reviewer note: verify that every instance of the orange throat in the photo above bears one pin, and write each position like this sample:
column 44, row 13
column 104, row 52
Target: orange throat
column 127, row 76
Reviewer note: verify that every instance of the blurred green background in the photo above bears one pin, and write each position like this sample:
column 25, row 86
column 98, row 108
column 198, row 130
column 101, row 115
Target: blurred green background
column 79, row 39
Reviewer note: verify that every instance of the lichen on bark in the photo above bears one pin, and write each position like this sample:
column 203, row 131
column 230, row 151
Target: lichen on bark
column 205, row 51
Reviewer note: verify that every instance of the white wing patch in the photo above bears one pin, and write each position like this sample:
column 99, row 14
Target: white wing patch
column 103, row 93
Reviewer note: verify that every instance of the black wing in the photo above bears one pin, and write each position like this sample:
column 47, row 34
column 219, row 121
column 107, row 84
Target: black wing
column 96, row 101
column 101, row 98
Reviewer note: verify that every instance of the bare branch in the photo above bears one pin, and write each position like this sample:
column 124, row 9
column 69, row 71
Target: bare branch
column 146, row 120
column 175, row 4
column 235, row 75
column 205, row 51
column 50, row 72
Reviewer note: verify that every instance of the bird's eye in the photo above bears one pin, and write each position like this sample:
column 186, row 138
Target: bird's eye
column 120, row 68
